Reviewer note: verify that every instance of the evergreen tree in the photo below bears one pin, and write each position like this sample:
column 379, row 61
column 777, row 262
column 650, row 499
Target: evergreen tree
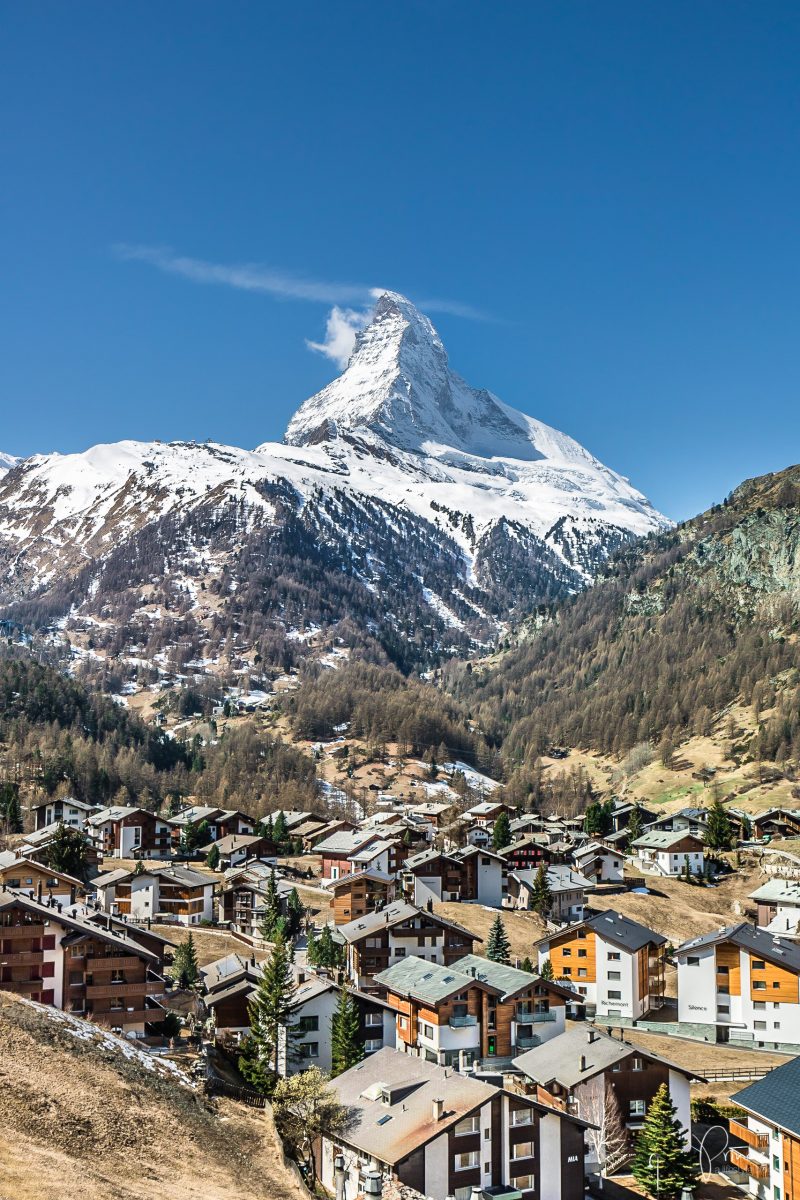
column 501, row 833
column 272, row 913
column 212, row 858
column 67, row 851
column 662, row 1163
column 546, row 971
column 498, row 947
column 346, row 1046
column 312, row 950
column 719, row 830
column 635, row 824
column 294, row 914
column 541, row 894
column 279, row 830
column 329, row 953
column 270, row 1010
column 10, row 814
column 184, row 962
column 527, row 965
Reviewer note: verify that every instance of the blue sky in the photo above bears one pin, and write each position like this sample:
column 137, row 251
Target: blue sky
column 616, row 185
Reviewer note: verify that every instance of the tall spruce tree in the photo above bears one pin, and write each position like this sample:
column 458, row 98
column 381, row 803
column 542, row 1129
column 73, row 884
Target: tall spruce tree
column 184, row 962
column 635, row 824
column 498, row 947
column 294, row 914
column 347, row 1048
column 662, row 1163
column 271, row 918
column 501, row 832
column 541, row 893
column 279, row 830
column 270, row 1011
column 719, row 830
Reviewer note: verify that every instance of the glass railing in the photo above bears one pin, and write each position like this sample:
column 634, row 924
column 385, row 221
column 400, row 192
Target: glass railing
column 544, row 1016
column 462, row 1022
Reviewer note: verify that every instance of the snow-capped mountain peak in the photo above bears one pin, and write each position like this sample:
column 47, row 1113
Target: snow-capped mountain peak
column 7, row 461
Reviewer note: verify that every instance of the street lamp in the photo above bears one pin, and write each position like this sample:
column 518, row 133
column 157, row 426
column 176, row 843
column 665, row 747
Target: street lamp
column 657, row 1157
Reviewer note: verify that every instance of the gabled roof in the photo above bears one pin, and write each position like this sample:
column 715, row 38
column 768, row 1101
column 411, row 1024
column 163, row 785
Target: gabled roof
column 79, row 804
column 622, row 931
column 469, row 851
column 786, row 891
column 394, row 914
column 233, row 841
column 662, row 839
column 560, row 1058
column 425, row 981
column 423, row 858
column 371, row 873
column 560, row 878
column 506, row 981
column 75, row 926
column 346, row 841
column 774, row 1098
column 15, row 862
column 764, row 945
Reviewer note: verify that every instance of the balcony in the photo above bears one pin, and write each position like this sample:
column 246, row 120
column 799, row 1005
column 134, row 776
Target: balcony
column 125, row 1016
column 107, row 991
column 34, row 929
column 112, row 962
column 755, row 1170
column 543, row 1016
column 528, row 1043
column 23, row 987
column 462, row 1022
column 23, row 958
column 759, row 1141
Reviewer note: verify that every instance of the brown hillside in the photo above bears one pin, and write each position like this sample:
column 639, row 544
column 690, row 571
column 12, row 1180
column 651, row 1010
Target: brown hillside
column 82, row 1114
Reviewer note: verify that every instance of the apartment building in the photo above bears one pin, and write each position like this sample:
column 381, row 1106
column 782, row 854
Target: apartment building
column 470, row 875
column 743, row 983
column 575, row 1071
column 338, row 851
column 778, row 904
column 475, row 1011
column 243, row 897
column 237, row 848
column 666, row 852
column 615, row 964
column 360, row 893
column 171, row 893
column 41, row 882
column 66, row 811
column 379, row 939
column 568, row 890
column 770, row 1131
column 127, row 832
column 447, row 1134
column 600, row 862
column 221, row 822
column 77, row 966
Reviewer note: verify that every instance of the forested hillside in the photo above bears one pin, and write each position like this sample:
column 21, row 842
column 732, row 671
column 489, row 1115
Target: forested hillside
column 683, row 624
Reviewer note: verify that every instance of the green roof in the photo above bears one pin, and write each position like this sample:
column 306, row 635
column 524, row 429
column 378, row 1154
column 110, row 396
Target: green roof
column 505, row 980
column 423, row 980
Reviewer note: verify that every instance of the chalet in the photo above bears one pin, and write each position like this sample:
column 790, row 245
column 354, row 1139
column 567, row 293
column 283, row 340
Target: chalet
column 579, row 1069
column 36, row 846
column 622, row 811
column 338, row 849
column 615, row 964
column 743, row 984
column 432, row 875
column 377, row 940
column 128, row 832
column 236, row 848
column 568, row 890
column 484, row 876
column 41, row 882
column 686, row 820
column 776, row 822
column 68, row 962
column 436, row 813
column 67, row 811
column 665, row 852
column 477, row 833
column 243, row 897
column 447, row 1134
column 525, row 853
column 384, row 855
column 172, row 893
column 221, row 822
column 599, row 862
column 228, row 984
column 475, row 1011
column 487, row 812
column 770, row 1131
column 778, row 903
column 359, row 893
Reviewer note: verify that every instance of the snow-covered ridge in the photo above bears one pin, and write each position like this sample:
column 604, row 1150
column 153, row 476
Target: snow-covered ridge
column 7, row 461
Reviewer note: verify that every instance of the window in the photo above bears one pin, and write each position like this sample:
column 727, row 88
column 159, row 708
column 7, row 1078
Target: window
column 373, row 1019
column 373, row 1044
column 776, row 1024
column 522, row 1116
column 776, row 1163
column 638, row 1108
column 758, row 964
column 306, row 1024
column 566, row 970
column 464, row 1162
column 427, row 1031
column 615, row 995
column 400, row 952
column 759, row 985
column 566, row 953
column 581, row 954
column 759, row 1005
column 759, row 1024
column 468, row 1125
column 524, row 1183
column 637, row 1064
column 308, row 1050
column 581, row 972
column 722, row 970
column 614, row 956
column 693, row 961
column 522, row 1150
column 615, row 975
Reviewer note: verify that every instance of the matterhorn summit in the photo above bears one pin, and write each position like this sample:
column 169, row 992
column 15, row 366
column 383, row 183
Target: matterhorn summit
column 422, row 512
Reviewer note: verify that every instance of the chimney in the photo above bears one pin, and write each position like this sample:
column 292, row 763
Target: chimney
column 583, row 1062
column 591, row 1035
column 438, row 1109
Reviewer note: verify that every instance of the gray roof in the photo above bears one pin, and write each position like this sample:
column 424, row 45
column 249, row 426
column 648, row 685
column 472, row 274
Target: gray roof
column 559, row 1058
column 560, row 878
column 662, row 839
column 232, row 966
column 424, row 980
column 425, row 856
column 394, row 914
column 346, row 841
column 233, row 841
column 786, row 891
column 77, row 925
column 623, row 931
column 390, row 1132
column 505, row 980
column 774, row 1098
column 763, row 945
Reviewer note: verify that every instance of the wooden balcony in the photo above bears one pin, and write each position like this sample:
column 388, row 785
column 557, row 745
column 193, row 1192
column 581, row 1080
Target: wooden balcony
column 23, row 958
column 34, row 930
column 112, row 962
column 106, row 991
column 124, row 1016
column 759, row 1141
column 22, row 987
column 755, row 1170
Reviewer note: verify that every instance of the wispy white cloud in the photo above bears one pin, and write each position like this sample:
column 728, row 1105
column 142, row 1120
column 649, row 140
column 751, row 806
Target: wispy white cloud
column 249, row 277
column 341, row 328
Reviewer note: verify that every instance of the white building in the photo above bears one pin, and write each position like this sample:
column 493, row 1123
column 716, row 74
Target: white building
column 743, row 984
column 778, row 902
column 771, row 1133
column 173, row 893
column 666, row 852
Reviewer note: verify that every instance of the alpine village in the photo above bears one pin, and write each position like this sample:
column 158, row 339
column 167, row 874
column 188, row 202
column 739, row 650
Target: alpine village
column 359, row 846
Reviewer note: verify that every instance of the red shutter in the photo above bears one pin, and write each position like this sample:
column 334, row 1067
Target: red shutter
column 49, row 941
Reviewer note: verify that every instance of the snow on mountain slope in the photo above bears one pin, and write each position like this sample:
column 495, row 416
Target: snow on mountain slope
column 7, row 461
column 398, row 475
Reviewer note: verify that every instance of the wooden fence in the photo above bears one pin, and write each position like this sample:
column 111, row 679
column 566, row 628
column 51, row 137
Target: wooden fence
column 221, row 1087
